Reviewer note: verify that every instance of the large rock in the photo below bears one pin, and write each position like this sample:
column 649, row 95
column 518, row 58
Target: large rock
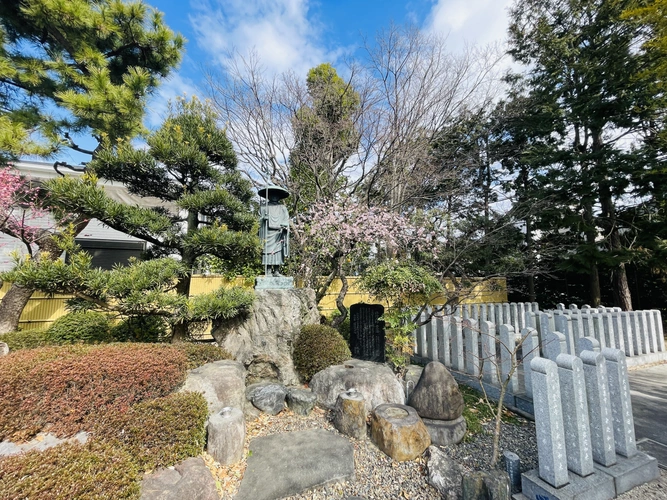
column 222, row 383
column 290, row 463
column 399, row 432
column 263, row 340
column 376, row 382
column 437, row 394
column 270, row 398
column 444, row 474
column 190, row 479
column 301, row 401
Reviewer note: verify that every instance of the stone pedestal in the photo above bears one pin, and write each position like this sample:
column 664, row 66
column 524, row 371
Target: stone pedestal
column 226, row 435
column 630, row 472
column 597, row 486
column 263, row 340
column 444, row 432
column 350, row 414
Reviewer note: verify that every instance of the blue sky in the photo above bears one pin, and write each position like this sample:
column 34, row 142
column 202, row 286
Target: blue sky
column 299, row 34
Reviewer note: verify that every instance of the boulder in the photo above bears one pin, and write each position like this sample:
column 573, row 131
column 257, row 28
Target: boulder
column 375, row 381
column 253, row 389
column 222, row 383
column 190, row 479
column 399, row 432
column 437, row 394
column 270, row 398
column 291, row 463
column 263, row 339
column 301, row 401
column 444, row 474
column 410, row 379
column 445, row 432
column 4, row 349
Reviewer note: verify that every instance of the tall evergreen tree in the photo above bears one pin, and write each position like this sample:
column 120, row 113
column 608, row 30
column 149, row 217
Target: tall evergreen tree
column 325, row 136
column 585, row 80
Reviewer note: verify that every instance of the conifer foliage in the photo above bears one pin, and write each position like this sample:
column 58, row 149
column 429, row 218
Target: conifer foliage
column 189, row 164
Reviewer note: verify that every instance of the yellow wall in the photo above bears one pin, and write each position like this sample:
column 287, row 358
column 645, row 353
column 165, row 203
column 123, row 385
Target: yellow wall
column 42, row 310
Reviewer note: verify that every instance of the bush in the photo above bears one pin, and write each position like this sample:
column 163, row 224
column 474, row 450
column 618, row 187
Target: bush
column 161, row 432
column 68, row 388
column 88, row 327
column 318, row 347
column 26, row 339
column 141, row 329
column 95, row 470
column 200, row 354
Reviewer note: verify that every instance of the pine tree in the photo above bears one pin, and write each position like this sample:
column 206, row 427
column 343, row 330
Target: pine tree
column 78, row 66
column 189, row 165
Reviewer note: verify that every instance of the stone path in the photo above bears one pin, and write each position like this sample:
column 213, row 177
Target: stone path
column 286, row 464
column 648, row 389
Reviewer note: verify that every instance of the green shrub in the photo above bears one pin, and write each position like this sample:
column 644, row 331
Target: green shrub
column 88, row 327
column 343, row 328
column 200, row 354
column 95, row 470
column 160, row 432
column 141, row 329
column 318, row 347
column 70, row 387
column 26, row 339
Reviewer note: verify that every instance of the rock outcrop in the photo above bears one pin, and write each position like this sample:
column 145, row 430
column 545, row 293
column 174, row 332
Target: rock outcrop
column 263, row 340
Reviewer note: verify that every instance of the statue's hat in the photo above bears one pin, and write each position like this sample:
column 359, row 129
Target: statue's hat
column 267, row 191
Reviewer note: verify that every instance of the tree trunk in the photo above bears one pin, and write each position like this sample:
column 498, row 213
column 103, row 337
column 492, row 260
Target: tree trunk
column 593, row 273
column 179, row 332
column 622, row 297
column 619, row 277
column 12, row 306
column 13, row 303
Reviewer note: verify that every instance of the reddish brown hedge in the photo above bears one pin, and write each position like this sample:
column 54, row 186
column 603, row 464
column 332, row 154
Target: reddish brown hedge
column 64, row 389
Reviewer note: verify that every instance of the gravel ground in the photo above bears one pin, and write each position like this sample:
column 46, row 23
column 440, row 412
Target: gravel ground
column 380, row 478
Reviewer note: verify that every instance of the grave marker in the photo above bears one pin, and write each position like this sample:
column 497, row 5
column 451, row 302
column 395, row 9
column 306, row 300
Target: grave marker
column 367, row 336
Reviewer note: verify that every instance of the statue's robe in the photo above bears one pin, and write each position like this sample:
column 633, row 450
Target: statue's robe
column 274, row 233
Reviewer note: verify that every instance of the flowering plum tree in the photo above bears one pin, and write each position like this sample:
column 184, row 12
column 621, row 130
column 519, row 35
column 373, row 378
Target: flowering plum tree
column 335, row 238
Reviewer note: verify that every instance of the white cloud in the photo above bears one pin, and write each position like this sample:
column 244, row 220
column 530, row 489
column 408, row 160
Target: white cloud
column 467, row 21
column 279, row 32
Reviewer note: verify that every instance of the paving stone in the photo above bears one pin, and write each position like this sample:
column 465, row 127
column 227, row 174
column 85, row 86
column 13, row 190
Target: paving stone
column 290, row 463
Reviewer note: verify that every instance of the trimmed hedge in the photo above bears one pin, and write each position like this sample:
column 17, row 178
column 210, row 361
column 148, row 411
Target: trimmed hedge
column 318, row 347
column 141, row 329
column 158, row 433
column 96, row 470
column 68, row 387
column 26, row 339
column 200, row 354
column 88, row 327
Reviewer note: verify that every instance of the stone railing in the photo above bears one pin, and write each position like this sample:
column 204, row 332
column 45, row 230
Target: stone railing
column 478, row 349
